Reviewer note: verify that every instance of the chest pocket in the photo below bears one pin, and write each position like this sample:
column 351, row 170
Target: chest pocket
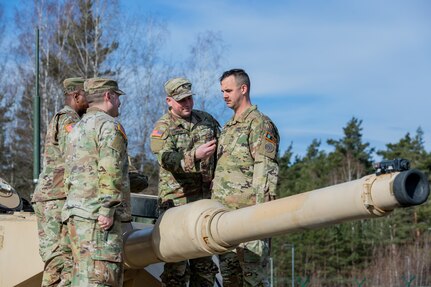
column 181, row 139
column 202, row 133
column 235, row 142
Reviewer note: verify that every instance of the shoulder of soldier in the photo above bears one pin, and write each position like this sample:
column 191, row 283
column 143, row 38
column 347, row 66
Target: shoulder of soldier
column 162, row 126
column 263, row 122
column 68, row 116
column 207, row 117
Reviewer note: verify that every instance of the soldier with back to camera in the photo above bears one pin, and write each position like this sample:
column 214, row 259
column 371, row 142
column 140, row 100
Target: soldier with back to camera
column 49, row 196
column 97, row 181
column 246, row 174
column 184, row 142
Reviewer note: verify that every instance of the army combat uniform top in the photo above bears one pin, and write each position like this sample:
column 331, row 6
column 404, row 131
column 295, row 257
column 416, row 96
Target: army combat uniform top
column 247, row 166
column 51, row 185
column 97, row 169
column 174, row 140
column 246, row 174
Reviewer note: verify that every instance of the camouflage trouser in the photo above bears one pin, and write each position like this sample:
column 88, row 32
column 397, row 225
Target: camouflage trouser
column 52, row 248
column 247, row 266
column 97, row 262
column 201, row 273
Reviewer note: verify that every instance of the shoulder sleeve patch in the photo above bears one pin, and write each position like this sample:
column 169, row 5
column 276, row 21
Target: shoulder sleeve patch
column 156, row 133
column 122, row 131
column 69, row 127
column 118, row 143
column 270, row 138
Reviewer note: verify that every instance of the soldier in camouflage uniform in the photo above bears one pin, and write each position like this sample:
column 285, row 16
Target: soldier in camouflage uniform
column 246, row 174
column 49, row 195
column 184, row 142
column 97, row 182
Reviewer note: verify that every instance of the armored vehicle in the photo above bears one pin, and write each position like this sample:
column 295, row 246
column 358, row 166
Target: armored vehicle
column 206, row 227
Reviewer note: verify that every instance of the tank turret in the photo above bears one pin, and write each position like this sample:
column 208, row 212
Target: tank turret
column 206, row 227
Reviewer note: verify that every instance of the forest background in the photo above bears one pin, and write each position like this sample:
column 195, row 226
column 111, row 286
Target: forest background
column 88, row 38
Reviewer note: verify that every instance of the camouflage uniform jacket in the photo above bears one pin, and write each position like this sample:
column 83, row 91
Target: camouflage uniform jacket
column 174, row 141
column 51, row 184
column 96, row 175
column 247, row 167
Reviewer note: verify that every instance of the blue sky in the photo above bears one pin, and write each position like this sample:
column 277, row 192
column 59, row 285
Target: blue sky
column 316, row 64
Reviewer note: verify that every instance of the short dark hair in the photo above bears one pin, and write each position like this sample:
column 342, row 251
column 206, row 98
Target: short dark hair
column 240, row 75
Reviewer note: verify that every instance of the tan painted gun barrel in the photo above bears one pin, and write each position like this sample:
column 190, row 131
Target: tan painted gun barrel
column 205, row 227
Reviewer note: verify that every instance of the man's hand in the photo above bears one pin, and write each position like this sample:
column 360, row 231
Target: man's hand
column 206, row 150
column 105, row 222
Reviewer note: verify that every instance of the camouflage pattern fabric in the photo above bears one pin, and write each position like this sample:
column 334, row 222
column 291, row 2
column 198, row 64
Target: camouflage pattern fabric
column 96, row 174
column 51, row 184
column 53, row 250
column 96, row 177
column 174, row 140
column 244, row 267
column 183, row 179
column 200, row 272
column 49, row 197
column 247, row 167
column 97, row 259
column 246, row 174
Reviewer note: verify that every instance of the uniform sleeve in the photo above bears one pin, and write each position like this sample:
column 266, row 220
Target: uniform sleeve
column 112, row 150
column 65, row 124
column 165, row 149
column 264, row 143
column 207, row 166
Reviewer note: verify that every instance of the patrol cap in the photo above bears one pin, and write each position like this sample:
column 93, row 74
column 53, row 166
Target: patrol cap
column 99, row 85
column 73, row 84
column 178, row 88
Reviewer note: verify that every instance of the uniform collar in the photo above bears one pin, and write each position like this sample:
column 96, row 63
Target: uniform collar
column 242, row 117
column 69, row 109
column 179, row 121
column 95, row 110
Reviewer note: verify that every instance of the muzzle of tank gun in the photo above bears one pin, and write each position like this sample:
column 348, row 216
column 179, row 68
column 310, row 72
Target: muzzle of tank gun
column 411, row 188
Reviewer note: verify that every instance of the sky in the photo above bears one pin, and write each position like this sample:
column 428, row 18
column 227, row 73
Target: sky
column 316, row 64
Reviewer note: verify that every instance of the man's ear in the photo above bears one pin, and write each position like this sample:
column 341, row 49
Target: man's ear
column 107, row 96
column 76, row 97
column 244, row 89
column 168, row 100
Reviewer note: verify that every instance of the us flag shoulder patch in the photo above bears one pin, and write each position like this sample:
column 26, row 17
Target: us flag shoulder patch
column 156, row 133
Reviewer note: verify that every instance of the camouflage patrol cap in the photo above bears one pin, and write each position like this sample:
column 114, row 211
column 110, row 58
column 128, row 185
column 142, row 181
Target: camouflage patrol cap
column 98, row 85
column 73, row 84
column 178, row 88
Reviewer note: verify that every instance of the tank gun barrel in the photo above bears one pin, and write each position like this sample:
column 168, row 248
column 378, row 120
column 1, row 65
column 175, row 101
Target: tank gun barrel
column 206, row 227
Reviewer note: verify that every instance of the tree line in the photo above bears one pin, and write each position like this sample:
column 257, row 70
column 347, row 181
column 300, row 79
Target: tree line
column 91, row 38
column 389, row 251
